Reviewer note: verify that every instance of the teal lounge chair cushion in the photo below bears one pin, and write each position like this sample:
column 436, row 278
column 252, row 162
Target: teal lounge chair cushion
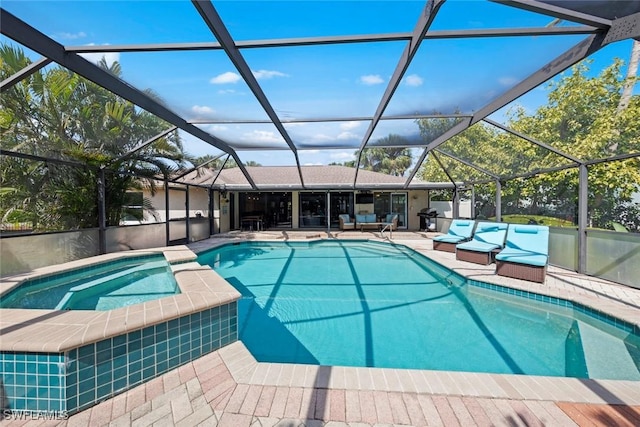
column 488, row 236
column 526, row 244
column 445, row 238
column 476, row 246
column 459, row 231
column 522, row 257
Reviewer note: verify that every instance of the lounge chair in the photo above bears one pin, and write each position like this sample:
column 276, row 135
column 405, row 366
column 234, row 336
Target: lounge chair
column 459, row 231
column 346, row 222
column 488, row 239
column 526, row 253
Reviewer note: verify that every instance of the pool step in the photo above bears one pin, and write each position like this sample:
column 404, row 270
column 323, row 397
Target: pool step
column 605, row 355
column 76, row 290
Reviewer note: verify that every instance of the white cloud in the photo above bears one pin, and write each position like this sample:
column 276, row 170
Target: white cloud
column 320, row 137
column 507, row 81
column 109, row 57
column 349, row 125
column 70, row 36
column 226, row 91
column 218, row 128
column 414, row 80
column 347, row 136
column 371, row 79
column 202, row 110
column 262, row 136
column 267, row 74
column 225, row 78
column 342, row 156
column 213, row 128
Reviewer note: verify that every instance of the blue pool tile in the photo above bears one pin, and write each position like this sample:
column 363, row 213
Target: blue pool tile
column 149, row 373
column 86, row 386
column 75, row 379
column 55, row 381
column 120, row 340
column 120, row 384
column 103, row 391
column 86, row 351
column 135, row 377
column 85, row 399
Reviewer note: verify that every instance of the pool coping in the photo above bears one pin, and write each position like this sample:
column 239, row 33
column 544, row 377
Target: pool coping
column 56, row 331
column 247, row 371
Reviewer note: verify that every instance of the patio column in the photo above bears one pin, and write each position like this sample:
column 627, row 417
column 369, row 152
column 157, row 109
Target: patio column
column 166, row 211
column 456, row 203
column 102, row 213
column 210, row 195
column 188, row 221
column 328, row 214
column 498, row 200
column 583, row 208
column 473, row 202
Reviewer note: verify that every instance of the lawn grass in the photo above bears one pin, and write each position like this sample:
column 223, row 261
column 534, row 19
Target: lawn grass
column 539, row 219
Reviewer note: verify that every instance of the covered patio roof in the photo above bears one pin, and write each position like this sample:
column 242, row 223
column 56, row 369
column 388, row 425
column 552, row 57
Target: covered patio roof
column 232, row 86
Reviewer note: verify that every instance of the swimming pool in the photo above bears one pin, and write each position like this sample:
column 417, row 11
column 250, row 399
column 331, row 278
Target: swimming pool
column 354, row 303
column 102, row 286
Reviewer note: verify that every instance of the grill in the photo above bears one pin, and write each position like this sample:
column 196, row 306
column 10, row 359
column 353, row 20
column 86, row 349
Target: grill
column 428, row 219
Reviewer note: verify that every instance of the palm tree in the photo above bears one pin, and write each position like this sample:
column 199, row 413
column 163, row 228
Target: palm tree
column 388, row 156
column 57, row 114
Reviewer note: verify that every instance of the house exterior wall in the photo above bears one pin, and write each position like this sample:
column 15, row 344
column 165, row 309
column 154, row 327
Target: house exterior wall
column 222, row 210
column 198, row 204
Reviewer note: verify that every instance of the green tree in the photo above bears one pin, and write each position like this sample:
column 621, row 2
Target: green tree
column 57, row 114
column 217, row 164
column 581, row 119
column 388, row 156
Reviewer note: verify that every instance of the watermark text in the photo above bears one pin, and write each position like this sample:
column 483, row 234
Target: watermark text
column 31, row 415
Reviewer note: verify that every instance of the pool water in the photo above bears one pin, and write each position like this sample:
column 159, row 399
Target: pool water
column 101, row 287
column 350, row 303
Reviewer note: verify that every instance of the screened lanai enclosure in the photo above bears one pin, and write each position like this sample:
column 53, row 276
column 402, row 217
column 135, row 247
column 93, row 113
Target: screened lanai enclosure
column 148, row 123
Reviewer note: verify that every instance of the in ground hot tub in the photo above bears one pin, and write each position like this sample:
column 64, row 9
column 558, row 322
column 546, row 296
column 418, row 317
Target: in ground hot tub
column 103, row 286
column 63, row 359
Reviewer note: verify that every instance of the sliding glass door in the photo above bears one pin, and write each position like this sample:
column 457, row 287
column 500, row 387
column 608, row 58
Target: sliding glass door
column 385, row 203
column 399, row 206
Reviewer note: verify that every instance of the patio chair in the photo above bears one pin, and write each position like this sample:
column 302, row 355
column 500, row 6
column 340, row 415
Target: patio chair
column 346, row 222
column 488, row 239
column 526, row 253
column 393, row 220
column 459, row 231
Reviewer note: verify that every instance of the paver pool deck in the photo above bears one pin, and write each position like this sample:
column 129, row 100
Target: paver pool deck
column 229, row 388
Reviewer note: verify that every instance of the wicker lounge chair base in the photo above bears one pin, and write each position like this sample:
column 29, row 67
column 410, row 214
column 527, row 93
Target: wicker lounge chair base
column 484, row 258
column 531, row 273
column 444, row 246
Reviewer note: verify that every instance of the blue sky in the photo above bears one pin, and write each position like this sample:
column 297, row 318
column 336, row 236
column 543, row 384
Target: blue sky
column 316, row 81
